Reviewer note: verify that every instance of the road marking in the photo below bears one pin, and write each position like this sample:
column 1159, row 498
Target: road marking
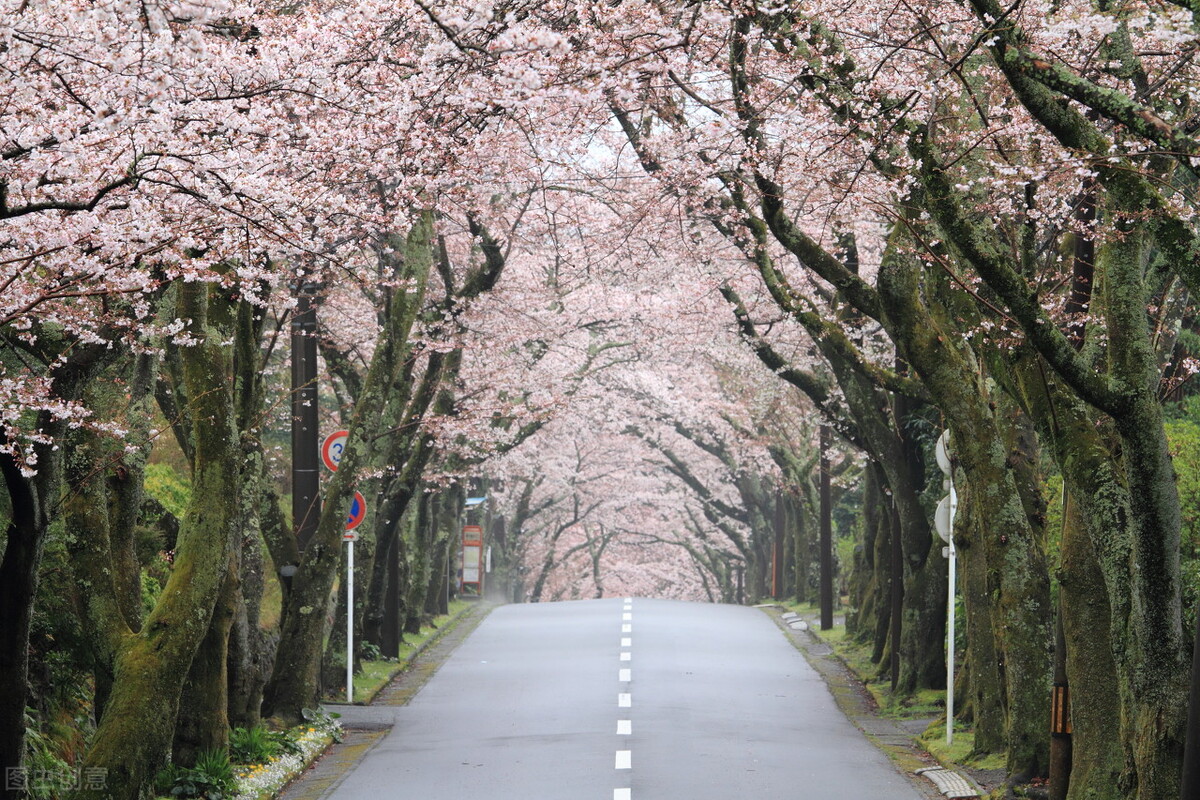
column 627, row 628
column 626, row 641
column 625, row 675
column 627, row 616
column 624, row 700
column 624, row 759
column 624, row 727
column 626, row 656
column 628, row 599
column 622, row 794
column 627, row 607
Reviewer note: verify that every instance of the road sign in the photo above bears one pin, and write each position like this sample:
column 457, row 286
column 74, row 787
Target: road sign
column 358, row 512
column 943, row 517
column 333, row 447
column 470, row 578
column 942, row 452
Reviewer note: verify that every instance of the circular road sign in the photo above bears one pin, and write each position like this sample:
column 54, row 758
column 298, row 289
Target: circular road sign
column 943, row 517
column 942, row 452
column 333, row 447
column 358, row 512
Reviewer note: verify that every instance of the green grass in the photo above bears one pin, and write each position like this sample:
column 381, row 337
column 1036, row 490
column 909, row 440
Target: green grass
column 934, row 740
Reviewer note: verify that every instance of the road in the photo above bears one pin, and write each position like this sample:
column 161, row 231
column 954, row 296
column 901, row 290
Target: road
column 628, row 700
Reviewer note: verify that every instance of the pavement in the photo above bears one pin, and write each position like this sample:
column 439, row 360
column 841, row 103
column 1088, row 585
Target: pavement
column 367, row 727
column 896, row 737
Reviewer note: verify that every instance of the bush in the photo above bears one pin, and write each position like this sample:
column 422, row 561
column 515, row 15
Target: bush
column 211, row 779
column 252, row 745
column 258, row 745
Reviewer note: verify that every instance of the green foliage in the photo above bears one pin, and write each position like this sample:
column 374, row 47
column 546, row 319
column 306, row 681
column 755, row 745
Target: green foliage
column 258, row 745
column 251, row 745
column 369, row 651
column 46, row 768
column 168, row 487
column 1183, row 434
column 211, row 779
column 323, row 721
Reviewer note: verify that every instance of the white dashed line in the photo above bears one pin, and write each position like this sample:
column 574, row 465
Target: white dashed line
column 624, row 758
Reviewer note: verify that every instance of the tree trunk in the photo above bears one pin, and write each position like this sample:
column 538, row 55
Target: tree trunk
column 1010, row 541
column 203, row 722
column 134, row 735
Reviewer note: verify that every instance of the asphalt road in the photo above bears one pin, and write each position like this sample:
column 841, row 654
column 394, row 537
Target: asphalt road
column 637, row 700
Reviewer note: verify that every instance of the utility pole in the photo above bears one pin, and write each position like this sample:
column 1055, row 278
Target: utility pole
column 777, row 575
column 896, row 581
column 306, row 500
column 826, row 534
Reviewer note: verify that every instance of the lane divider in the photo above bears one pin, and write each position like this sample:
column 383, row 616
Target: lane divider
column 624, row 758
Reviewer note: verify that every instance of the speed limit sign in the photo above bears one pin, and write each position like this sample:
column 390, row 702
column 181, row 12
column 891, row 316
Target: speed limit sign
column 333, row 447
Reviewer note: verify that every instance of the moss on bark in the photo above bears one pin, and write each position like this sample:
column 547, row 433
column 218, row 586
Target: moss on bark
column 134, row 735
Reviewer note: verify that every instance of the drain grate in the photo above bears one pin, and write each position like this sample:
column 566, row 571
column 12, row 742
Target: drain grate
column 948, row 782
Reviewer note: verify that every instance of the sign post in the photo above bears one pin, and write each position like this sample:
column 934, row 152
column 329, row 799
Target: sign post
column 358, row 512
column 943, row 521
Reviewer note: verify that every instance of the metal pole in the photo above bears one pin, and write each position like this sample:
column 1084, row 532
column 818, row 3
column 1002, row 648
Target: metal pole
column 350, row 621
column 953, row 577
column 950, row 649
column 826, row 535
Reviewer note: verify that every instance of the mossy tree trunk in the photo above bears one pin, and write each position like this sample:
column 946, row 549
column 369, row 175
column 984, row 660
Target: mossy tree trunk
column 203, row 721
column 1012, row 545
column 134, row 736
column 1096, row 554
column 102, row 509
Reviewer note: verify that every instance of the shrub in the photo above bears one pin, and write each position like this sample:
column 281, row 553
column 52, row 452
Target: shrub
column 211, row 779
column 252, row 745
